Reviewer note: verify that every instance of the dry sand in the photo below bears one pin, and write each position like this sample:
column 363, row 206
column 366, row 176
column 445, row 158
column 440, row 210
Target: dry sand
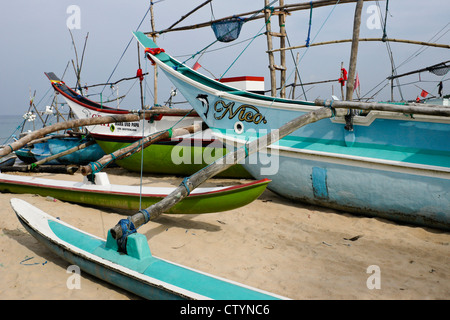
column 295, row 250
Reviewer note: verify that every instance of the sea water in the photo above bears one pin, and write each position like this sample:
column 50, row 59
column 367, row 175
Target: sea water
column 11, row 125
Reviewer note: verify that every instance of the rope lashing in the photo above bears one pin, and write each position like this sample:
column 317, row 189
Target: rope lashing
column 310, row 22
column 330, row 106
column 128, row 228
column 153, row 52
column 146, row 215
column 185, row 184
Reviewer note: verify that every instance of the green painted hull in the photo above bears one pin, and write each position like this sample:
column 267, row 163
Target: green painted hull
column 158, row 159
column 218, row 200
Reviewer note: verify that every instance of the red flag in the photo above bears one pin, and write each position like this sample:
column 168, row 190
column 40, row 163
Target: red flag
column 196, row 66
column 356, row 82
column 343, row 77
column 139, row 74
column 423, row 93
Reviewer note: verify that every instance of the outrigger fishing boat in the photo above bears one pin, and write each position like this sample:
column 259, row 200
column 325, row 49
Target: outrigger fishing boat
column 181, row 156
column 102, row 193
column 137, row 271
column 394, row 165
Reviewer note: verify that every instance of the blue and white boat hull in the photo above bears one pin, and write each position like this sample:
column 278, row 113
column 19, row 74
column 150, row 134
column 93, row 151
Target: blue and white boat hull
column 390, row 165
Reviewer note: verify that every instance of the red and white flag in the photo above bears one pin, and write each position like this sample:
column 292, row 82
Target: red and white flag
column 423, row 93
column 196, row 66
column 356, row 82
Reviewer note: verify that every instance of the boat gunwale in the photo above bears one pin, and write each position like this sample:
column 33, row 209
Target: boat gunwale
column 438, row 170
column 271, row 102
column 195, row 193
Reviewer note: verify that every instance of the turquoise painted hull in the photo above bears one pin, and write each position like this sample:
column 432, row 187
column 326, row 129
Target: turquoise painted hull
column 137, row 271
column 391, row 165
column 80, row 157
column 41, row 151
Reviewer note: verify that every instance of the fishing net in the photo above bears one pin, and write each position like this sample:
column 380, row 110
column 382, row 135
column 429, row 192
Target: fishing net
column 439, row 70
column 227, row 30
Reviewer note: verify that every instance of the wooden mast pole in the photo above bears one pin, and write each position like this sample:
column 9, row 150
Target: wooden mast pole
column 342, row 87
column 273, row 84
column 140, row 81
column 282, row 21
column 155, row 69
column 354, row 51
column 295, row 77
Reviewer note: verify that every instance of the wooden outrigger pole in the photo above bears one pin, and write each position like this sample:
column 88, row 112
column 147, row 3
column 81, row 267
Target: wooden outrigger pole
column 277, row 10
column 331, row 108
column 231, row 158
column 90, row 121
column 421, row 43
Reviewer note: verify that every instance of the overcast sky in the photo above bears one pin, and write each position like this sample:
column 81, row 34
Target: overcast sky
column 35, row 39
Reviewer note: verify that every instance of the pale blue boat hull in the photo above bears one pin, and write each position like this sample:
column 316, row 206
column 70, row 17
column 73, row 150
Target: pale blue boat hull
column 364, row 191
column 136, row 271
column 392, row 165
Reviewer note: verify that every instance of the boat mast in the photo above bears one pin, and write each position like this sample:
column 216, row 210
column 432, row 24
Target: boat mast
column 155, row 69
column 140, row 81
column 282, row 35
column 273, row 84
column 281, row 22
column 354, row 51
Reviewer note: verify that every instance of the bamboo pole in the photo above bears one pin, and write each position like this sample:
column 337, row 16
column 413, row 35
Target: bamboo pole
column 273, row 84
column 282, row 22
column 139, row 145
column 66, row 125
column 155, row 67
column 421, row 43
column 342, row 87
column 46, row 138
column 286, row 8
column 354, row 51
column 130, row 117
column 140, row 80
column 231, row 158
column 188, row 14
column 429, row 109
column 155, row 210
column 295, row 77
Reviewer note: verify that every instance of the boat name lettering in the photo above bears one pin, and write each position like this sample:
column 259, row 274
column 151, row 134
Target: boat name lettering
column 245, row 112
column 128, row 124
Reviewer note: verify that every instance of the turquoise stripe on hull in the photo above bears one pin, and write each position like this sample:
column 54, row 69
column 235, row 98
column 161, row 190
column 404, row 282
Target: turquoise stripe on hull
column 175, row 275
column 110, row 276
column 392, row 165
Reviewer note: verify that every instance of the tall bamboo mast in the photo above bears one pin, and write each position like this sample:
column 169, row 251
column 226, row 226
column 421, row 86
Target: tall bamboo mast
column 140, row 81
column 282, row 21
column 273, row 84
column 282, row 35
column 354, row 51
column 155, row 69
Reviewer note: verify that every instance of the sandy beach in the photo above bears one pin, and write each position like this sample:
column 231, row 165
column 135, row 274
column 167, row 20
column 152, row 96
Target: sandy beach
column 294, row 250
